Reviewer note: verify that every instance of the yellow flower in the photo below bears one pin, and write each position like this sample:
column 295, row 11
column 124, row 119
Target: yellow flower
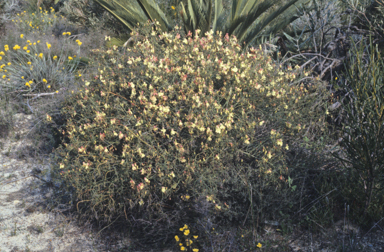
column 6, row 48
column 195, row 236
column 16, row 47
column 49, row 118
column 78, row 42
column 49, row 86
column 173, row 7
column 29, row 63
column 70, row 58
column 40, row 55
column 25, row 48
column 21, row 35
column 57, row 91
column 187, row 196
column 269, row 155
column 186, row 232
column 195, row 250
column 279, row 142
column 48, row 45
column 9, row 63
column 38, row 41
column 182, row 248
column 2, row 53
column 55, row 57
column 44, row 80
column 177, row 238
column 259, row 245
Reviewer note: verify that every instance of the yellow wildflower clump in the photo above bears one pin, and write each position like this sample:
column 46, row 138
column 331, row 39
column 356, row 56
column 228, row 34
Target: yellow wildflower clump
column 183, row 113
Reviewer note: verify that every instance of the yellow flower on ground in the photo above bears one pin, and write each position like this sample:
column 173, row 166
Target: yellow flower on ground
column 195, row 250
column 182, row 248
column 173, row 7
column 16, row 47
column 195, row 236
column 40, row 55
column 44, row 80
column 177, row 238
column 55, row 57
column 70, row 58
column 186, row 232
column 49, row 86
column 29, row 63
column 6, row 48
column 48, row 45
column 259, row 245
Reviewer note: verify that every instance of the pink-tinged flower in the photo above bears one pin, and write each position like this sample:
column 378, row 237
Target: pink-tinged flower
column 82, row 149
column 147, row 180
column 132, row 183
column 140, row 186
column 102, row 136
column 121, row 135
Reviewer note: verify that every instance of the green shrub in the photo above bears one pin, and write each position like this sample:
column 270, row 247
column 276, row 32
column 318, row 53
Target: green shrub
column 166, row 125
column 363, row 146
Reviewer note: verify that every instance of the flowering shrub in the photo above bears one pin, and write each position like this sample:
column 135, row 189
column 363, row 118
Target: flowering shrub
column 165, row 123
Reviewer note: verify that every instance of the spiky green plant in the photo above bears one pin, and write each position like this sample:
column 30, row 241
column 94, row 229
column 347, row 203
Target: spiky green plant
column 249, row 20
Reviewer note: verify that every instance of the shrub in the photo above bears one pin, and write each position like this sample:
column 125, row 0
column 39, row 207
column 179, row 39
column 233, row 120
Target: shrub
column 166, row 124
column 363, row 147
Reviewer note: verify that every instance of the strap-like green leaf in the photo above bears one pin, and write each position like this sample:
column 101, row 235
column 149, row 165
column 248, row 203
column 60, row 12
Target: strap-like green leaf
column 153, row 11
column 127, row 12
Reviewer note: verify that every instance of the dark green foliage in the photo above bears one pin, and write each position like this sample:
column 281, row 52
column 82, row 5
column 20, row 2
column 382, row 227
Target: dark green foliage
column 362, row 138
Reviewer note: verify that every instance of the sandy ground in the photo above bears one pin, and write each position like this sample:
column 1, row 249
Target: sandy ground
column 25, row 222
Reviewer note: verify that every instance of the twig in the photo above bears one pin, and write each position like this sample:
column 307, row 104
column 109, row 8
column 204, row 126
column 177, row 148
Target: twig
column 38, row 95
